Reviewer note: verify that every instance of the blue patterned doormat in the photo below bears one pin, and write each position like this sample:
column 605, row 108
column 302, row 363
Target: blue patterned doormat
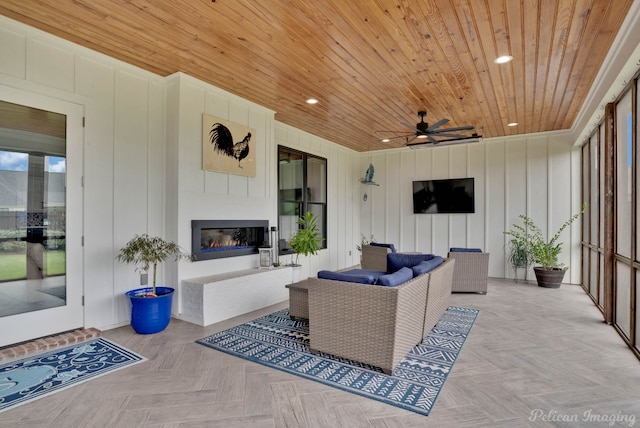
column 39, row 375
column 281, row 343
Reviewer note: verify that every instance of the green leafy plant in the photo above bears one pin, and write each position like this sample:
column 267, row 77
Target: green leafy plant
column 147, row 251
column 306, row 240
column 531, row 240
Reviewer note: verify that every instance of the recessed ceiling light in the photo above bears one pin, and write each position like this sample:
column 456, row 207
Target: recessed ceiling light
column 312, row 101
column 512, row 124
column 385, row 140
column 503, row 59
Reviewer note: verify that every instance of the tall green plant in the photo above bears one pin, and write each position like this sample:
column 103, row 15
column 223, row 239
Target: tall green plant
column 147, row 252
column 544, row 252
column 306, row 240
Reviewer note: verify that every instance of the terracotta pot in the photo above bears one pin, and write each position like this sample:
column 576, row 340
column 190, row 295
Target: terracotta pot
column 549, row 278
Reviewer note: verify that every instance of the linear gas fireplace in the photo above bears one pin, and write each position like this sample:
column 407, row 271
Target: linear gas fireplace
column 214, row 239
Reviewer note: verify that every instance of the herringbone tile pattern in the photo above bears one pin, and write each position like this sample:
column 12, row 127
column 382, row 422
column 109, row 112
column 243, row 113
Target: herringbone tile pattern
column 535, row 357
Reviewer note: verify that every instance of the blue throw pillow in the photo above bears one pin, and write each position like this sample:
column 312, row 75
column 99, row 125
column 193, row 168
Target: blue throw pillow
column 395, row 261
column 464, row 250
column 348, row 276
column 389, row 246
column 427, row 265
column 396, row 278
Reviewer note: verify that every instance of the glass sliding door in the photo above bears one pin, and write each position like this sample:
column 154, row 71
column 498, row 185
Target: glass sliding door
column 40, row 216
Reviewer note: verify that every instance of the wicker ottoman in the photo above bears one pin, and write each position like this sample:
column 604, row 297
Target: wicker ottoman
column 299, row 299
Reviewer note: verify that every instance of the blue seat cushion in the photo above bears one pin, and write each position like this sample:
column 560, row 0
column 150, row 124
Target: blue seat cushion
column 394, row 279
column 427, row 265
column 361, row 276
column 464, row 250
column 395, row 261
column 390, row 246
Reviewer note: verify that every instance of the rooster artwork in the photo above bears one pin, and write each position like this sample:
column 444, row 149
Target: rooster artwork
column 227, row 147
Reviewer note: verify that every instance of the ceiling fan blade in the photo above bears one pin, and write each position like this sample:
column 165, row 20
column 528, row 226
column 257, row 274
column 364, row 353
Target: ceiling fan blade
column 410, row 126
column 457, row 128
column 437, row 125
column 411, row 139
column 405, row 135
column 432, row 140
column 443, row 134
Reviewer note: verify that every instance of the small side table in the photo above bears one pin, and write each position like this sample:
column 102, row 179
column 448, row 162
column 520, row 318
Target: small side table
column 299, row 299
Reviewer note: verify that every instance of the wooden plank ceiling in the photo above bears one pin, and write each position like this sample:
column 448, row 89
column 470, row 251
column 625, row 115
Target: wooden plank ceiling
column 371, row 64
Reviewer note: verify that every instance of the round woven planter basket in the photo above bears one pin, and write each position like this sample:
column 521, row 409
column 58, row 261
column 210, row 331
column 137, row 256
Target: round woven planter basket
column 549, row 278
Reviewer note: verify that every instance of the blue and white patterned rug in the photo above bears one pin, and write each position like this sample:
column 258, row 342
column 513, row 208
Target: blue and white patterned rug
column 279, row 342
column 34, row 377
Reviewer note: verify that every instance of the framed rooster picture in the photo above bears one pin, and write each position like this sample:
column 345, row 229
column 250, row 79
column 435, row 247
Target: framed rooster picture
column 228, row 147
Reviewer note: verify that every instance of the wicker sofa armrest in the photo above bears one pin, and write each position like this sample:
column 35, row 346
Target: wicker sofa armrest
column 438, row 294
column 374, row 258
column 372, row 324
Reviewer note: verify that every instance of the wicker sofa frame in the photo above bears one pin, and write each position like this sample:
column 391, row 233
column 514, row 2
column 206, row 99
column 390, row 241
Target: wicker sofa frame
column 471, row 273
column 373, row 324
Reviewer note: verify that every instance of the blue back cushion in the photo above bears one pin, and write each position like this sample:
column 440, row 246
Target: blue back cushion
column 361, row 276
column 427, row 265
column 395, row 261
column 464, row 250
column 394, row 279
column 390, row 246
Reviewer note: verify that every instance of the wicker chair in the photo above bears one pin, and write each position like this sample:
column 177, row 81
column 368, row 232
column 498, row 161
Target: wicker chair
column 374, row 258
column 373, row 324
column 471, row 272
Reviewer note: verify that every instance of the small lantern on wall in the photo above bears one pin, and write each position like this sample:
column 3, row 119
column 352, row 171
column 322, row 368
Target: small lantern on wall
column 266, row 258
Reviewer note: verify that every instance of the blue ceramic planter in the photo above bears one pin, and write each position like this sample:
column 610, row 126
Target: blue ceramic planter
column 150, row 314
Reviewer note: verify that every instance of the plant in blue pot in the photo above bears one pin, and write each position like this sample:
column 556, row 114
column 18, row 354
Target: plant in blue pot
column 150, row 306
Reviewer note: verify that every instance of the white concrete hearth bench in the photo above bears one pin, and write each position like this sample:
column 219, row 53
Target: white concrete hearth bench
column 210, row 299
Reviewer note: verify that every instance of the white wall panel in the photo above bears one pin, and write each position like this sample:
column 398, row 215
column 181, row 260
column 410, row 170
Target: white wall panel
column 559, row 199
column 13, row 45
column 407, row 218
column 477, row 221
column 538, row 182
column 96, row 81
column 515, row 188
column 130, row 176
column 495, row 204
column 51, row 66
column 394, row 183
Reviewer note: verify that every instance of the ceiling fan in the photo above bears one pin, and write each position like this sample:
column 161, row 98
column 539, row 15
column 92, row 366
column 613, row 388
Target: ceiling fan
column 434, row 134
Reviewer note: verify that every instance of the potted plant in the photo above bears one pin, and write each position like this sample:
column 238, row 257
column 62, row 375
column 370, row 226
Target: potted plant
column 545, row 253
column 306, row 240
column 519, row 257
column 150, row 306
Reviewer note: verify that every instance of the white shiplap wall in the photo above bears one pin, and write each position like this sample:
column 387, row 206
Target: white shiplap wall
column 518, row 175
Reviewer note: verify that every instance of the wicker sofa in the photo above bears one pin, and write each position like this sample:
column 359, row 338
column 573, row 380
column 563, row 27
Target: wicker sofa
column 374, row 324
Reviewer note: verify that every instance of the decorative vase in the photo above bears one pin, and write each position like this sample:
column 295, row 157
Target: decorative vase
column 549, row 278
column 150, row 314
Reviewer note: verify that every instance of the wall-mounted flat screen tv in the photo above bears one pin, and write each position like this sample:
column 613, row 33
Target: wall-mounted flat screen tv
column 448, row 196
